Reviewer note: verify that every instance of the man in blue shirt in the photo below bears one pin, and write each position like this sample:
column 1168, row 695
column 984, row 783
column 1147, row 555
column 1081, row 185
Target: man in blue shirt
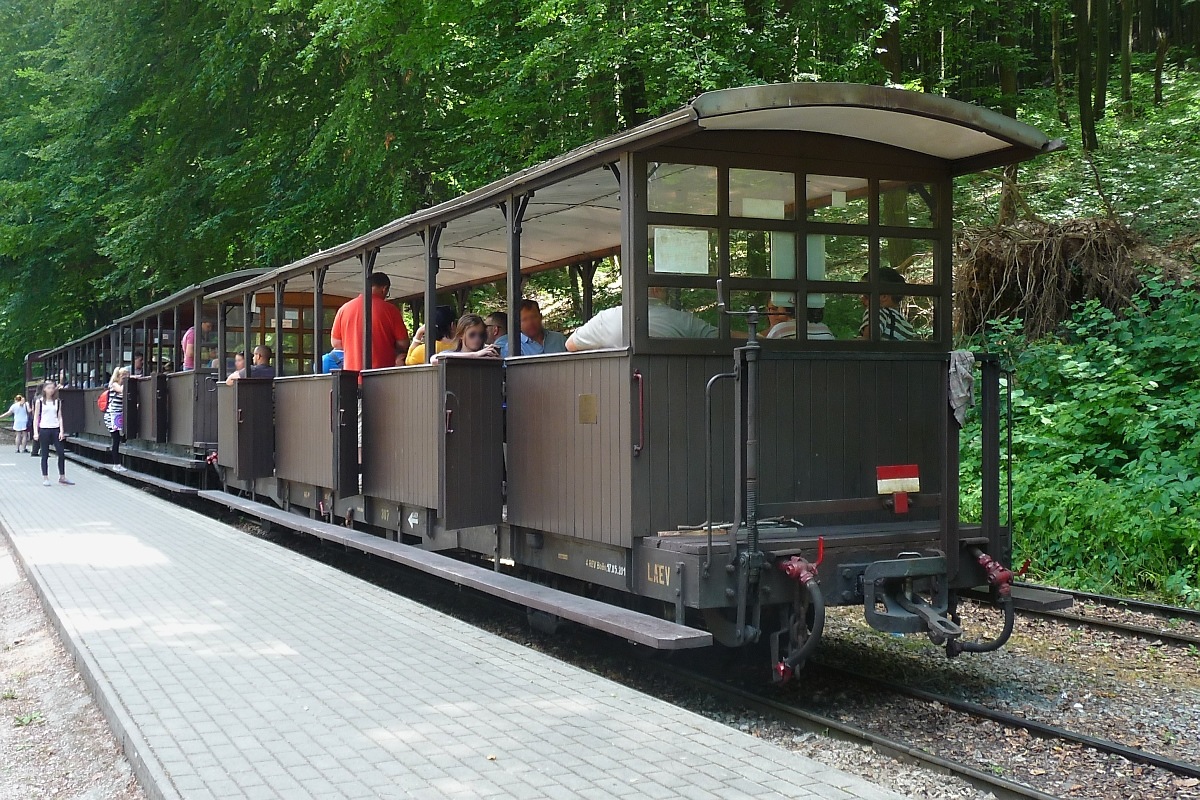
column 535, row 339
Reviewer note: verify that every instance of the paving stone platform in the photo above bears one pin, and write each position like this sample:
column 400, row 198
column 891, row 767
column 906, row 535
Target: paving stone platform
column 232, row 668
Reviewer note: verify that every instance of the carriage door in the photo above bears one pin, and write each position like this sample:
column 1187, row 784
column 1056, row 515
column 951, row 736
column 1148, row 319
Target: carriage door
column 345, row 433
column 472, row 455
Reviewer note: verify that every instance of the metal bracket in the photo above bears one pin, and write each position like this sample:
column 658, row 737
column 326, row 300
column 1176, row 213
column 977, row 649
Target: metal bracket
column 894, row 585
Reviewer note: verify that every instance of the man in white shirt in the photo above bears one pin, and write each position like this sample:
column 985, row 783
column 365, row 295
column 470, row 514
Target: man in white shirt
column 606, row 327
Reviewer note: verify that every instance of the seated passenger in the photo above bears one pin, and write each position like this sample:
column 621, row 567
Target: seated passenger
column 497, row 326
column 893, row 325
column 535, row 339
column 334, row 359
column 443, row 328
column 261, row 368
column 605, row 329
column 781, row 311
column 469, row 338
column 239, row 366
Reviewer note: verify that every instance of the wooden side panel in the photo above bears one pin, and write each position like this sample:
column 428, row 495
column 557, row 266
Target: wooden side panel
column 304, row 430
column 570, row 446
column 472, row 454
column 402, row 428
column 226, row 427
column 74, row 409
column 181, row 402
column 824, row 426
column 92, row 417
column 671, row 470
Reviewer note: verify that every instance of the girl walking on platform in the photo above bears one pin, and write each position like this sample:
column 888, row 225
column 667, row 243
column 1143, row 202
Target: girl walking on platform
column 19, row 411
column 113, row 416
column 49, row 428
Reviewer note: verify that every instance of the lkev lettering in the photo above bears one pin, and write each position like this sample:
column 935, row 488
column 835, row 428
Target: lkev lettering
column 658, row 573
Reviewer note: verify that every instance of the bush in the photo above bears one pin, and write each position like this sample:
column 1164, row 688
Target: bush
column 1106, row 447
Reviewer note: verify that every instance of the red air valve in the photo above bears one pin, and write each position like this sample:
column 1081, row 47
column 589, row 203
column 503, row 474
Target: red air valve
column 801, row 569
column 998, row 575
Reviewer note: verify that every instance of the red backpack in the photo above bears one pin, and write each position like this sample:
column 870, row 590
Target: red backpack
column 102, row 401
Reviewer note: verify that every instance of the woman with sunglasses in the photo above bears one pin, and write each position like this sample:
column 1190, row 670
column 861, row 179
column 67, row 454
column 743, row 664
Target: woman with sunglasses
column 471, row 339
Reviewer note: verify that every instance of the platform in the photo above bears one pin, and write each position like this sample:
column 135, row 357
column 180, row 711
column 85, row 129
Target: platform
column 232, row 668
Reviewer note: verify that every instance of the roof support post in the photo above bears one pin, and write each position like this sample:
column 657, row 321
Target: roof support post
column 318, row 318
column 177, row 345
column 247, row 347
column 514, row 213
column 279, row 291
column 198, row 322
column 431, row 236
column 147, row 353
column 367, row 259
column 222, row 341
column 158, row 348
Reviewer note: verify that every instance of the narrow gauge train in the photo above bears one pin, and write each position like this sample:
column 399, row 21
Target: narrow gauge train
column 735, row 482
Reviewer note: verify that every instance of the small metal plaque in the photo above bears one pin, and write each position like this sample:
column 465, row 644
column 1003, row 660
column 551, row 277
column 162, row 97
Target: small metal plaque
column 589, row 409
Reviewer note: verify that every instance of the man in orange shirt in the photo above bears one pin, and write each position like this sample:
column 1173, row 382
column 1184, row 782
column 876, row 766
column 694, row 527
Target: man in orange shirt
column 389, row 336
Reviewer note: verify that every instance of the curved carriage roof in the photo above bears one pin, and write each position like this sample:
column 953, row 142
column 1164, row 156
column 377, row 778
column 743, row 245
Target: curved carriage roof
column 200, row 289
column 575, row 210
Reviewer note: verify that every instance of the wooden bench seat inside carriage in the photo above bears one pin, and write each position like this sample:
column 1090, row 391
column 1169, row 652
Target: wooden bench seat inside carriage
column 829, row 206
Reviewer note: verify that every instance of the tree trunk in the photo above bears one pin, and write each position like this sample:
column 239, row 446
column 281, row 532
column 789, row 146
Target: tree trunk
column 1060, row 89
column 890, row 54
column 1160, row 59
column 1009, row 60
column 1083, row 77
column 1103, row 51
column 1127, row 59
column 1145, row 26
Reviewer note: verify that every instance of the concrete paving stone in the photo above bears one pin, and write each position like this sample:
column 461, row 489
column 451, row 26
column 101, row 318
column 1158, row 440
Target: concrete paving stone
column 827, row 792
column 246, row 689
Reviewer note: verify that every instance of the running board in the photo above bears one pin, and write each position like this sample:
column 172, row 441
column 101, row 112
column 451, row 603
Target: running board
column 634, row 626
column 1026, row 597
column 143, row 477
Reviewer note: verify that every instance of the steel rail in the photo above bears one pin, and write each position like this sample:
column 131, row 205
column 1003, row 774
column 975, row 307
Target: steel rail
column 1002, row 788
column 1040, row 729
column 1128, row 603
column 1113, row 626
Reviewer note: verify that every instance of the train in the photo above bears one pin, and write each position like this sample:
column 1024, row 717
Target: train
column 680, row 489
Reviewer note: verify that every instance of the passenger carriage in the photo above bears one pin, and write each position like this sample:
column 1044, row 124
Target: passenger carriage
column 737, row 482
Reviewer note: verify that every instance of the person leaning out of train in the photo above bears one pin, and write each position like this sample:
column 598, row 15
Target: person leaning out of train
column 443, row 329
column 781, row 312
column 535, row 339
column 605, row 329
column 19, row 411
column 893, row 325
column 114, row 417
column 497, row 326
column 389, row 334
column 470, row 339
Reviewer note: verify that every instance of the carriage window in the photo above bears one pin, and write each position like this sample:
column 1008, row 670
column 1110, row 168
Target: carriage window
column 682, row 313
column 681, row 188
column 761, row 254
column 832, row 198
column 902, row 318
column 843, row 258
column 912, row 258
column 907, row 205
column 761, row 194
column 682, row 251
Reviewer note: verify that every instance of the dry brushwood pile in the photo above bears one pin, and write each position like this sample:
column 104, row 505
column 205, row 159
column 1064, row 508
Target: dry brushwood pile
column 1036, row 271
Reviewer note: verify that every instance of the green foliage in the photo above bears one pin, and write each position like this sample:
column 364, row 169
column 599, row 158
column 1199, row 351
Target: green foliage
column 1106, row 447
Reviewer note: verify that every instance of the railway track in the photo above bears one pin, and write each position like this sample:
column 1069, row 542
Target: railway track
column 1002, row 788
column 1043, row 730
column 1123, row 628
